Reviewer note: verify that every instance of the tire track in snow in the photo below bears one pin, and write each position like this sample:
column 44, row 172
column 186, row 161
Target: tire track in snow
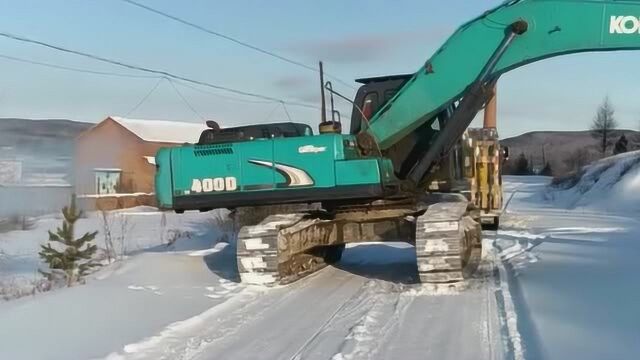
column 367, row 336
column 360, row 323
column 386, row 305
column 291, row 318
column 177, row 340
column 508, row 314
column 345, row 309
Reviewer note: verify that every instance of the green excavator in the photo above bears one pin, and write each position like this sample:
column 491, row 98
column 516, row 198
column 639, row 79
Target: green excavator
column 401, row 174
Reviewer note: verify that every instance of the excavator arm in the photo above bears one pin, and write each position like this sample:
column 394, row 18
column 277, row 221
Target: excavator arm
column 514, row 34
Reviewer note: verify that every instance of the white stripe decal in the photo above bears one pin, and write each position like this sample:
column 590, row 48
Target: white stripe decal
column 297, row 176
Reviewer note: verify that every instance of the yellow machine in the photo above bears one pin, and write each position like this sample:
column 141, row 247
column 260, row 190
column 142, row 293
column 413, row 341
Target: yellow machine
column 485, row 175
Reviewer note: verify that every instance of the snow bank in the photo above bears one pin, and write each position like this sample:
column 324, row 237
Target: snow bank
column 133, row 231
column 571, row 263
column 611, row 184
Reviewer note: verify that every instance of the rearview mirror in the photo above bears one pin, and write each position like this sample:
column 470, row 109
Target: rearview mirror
column 505, row 152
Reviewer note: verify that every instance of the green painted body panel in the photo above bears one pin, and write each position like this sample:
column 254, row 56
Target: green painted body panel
column 316, row 162
column 356, row 172
column 556, row 27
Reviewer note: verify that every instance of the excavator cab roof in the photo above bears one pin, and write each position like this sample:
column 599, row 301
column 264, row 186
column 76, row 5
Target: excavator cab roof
column 375, row 79
column 250, row 132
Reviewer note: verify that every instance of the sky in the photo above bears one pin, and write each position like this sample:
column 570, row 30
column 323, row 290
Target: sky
column 353, row 38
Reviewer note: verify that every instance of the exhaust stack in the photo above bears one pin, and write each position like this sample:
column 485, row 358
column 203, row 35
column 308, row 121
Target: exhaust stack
column 490, row 110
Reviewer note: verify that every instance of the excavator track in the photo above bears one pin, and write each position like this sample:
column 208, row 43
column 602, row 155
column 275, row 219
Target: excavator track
column 286, row 247
column 265, row 255
column 257, row 251
column 448, row 243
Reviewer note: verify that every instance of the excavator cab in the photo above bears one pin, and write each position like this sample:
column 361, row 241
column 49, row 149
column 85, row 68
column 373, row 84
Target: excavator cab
column 473, row 165
column 374, row 93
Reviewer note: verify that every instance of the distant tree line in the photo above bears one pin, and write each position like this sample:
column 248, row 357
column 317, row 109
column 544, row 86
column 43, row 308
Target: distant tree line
column 522, row 166
column 610, row 141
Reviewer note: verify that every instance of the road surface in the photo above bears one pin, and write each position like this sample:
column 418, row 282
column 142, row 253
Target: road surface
column 368, row 307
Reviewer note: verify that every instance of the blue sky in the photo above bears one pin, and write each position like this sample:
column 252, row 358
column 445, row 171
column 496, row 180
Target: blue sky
column 354, row 38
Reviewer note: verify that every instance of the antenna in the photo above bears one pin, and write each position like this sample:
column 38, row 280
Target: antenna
column 323, row 116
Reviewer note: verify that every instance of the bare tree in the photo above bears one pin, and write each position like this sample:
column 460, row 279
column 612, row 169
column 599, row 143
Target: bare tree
column 577, row 160
column 116, row 227
column 163, row 227
column 125, row 228
column 604, row 123
column 107, row 224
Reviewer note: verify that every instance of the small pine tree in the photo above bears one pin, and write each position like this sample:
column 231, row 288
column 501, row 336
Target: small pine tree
column 546, row 171
column 74, row 259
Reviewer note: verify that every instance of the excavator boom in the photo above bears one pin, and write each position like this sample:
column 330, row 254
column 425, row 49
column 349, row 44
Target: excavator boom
column 555, row 27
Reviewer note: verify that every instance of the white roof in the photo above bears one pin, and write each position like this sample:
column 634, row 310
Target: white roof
column 162, row 130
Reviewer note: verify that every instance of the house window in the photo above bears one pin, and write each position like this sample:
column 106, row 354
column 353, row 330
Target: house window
column 107, row 181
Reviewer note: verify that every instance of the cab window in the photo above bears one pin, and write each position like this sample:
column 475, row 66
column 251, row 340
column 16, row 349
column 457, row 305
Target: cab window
column 370, row 104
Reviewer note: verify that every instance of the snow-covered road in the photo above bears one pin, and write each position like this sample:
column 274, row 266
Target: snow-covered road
column 366, row 308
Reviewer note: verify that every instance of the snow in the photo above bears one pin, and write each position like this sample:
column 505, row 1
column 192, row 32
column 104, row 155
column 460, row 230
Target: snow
column 185, row 303
column 145, row 286
column 611, row 184
column 162, row 130
column 133, row 230
column 216, row 249
column 571, row 264
column 95, row 196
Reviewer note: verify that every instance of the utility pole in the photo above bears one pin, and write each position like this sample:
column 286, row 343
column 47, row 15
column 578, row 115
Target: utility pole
column 323, row 116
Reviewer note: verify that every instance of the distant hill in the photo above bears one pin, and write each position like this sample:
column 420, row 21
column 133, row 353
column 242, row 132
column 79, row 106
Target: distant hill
column 43, row 146
column 560, row 146
column 14, row 132
column 48, row 137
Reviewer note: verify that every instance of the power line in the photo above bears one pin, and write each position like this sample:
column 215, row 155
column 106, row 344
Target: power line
column 234, row 40
column 200, row 90
column 271, row 113
column 184, row 100
column 152, row 71
column 286, row 111
column 145, row 97
column 94, row 72
column 68, row 68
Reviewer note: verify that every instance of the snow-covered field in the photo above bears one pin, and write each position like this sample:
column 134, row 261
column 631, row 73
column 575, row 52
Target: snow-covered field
column 141, row 229
column 609, row 185
column 572, row 257
column 558, row 281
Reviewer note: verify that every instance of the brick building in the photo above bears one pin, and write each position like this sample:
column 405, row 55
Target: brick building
column 115, row 158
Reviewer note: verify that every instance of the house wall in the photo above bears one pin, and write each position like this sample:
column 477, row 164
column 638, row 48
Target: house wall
column 109, row 145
